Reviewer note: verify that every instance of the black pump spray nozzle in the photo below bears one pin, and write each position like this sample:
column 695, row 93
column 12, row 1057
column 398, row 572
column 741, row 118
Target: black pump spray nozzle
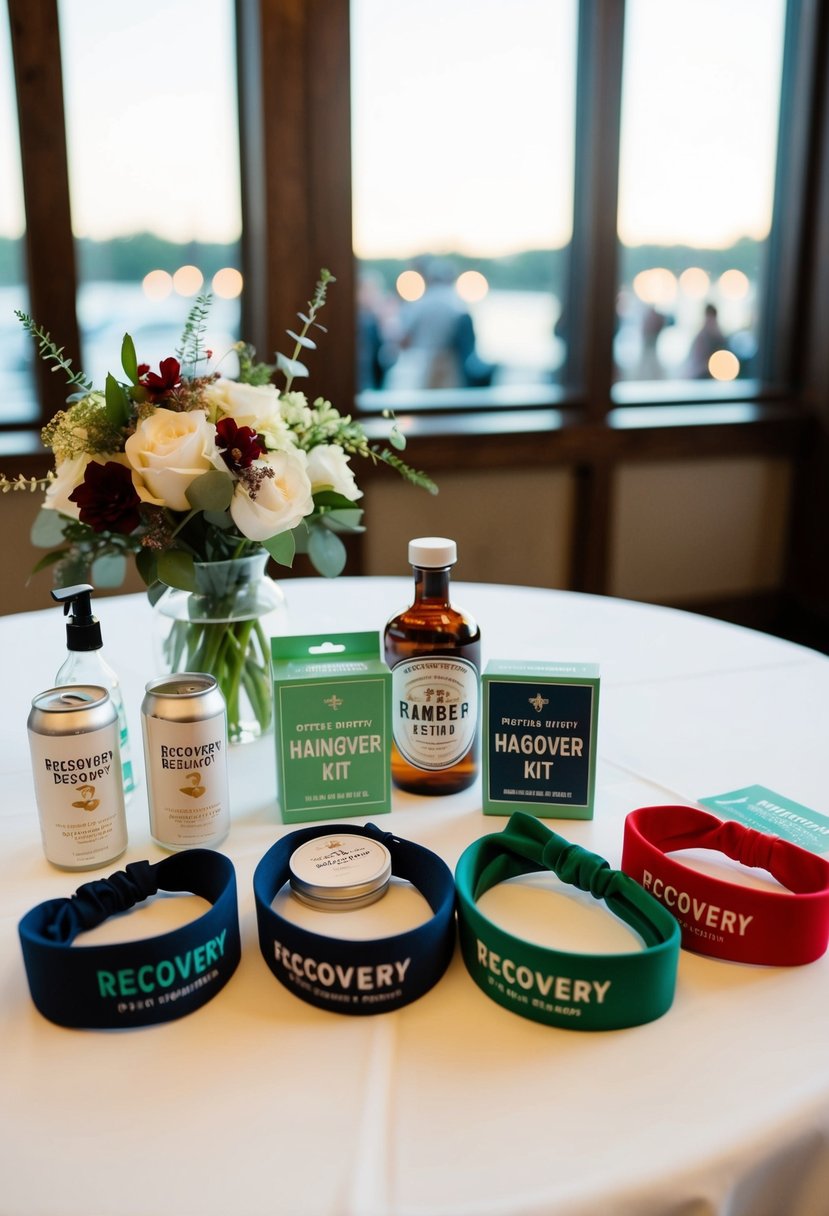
column 83, row 631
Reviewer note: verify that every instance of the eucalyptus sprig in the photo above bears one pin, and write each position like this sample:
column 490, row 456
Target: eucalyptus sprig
column 192, row 351
column 22, row 483
column 291, row 367
column 415, row 477
column 50, row 352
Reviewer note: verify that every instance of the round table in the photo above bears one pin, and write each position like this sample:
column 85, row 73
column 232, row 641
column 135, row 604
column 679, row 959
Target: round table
column 260, row 1104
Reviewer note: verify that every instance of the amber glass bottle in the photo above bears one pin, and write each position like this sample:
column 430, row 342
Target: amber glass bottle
column 434, row 652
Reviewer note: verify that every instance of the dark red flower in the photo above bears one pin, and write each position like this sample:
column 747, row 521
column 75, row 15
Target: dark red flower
column 107, row 498
column 158, row 385
column 239, row 445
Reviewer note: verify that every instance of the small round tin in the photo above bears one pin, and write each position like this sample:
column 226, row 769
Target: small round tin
column 340, row 872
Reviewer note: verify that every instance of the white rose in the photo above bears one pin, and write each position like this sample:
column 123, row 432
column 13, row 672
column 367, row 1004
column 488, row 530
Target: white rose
column 279, row 502
column 70, row 474
column 328, row 469
column 253, row 405
column 169, row 450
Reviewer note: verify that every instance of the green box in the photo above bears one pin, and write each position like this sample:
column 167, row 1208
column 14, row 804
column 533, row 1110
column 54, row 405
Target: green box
column 332, row 711
column 539, row 731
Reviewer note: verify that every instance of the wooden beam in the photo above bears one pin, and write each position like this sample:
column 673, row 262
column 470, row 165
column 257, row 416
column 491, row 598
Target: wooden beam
column 50, row 247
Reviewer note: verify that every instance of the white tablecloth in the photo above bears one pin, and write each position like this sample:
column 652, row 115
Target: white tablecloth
column 261, row 1104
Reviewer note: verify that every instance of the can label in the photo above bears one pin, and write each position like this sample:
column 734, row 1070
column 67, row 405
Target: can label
column 435, row 713
column 80, row 797
column 187, row 781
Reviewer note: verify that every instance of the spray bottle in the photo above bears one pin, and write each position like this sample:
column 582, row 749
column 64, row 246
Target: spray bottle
column 85, row 664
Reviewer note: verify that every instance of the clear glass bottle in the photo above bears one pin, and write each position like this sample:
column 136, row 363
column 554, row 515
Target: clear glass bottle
column 85, row 664
column 434, row 651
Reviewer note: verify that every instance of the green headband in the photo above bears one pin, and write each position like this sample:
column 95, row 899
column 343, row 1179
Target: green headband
column 558, row 988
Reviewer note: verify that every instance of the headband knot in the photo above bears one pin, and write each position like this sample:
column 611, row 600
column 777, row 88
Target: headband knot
column 578, row 867
column 749, row 847
column 95, row 901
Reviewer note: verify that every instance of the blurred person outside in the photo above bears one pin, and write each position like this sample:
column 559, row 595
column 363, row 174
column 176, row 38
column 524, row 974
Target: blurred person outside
column 375, row 323
column 652, row 325
column 709, row 339
column 437, row 337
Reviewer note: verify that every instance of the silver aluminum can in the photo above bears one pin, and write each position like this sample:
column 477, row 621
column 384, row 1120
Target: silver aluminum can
column 184, row 723
column 76, row 766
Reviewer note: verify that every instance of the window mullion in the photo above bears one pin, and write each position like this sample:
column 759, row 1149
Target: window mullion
column 50, row 248
column 593, row 281
column 782, row 322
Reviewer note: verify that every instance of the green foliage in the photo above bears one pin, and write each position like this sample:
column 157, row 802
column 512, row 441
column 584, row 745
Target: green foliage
column 252, row 371
column 117, row 403
column 176, row 569
column 415, row 477
column 90, row 425
column 51, row 353
column 129, row 359
column 282, row 548
column 109, row 570
column 191, row 352
column 212, row 491
column 291, row 367
column 326, row 551
column 80, row 555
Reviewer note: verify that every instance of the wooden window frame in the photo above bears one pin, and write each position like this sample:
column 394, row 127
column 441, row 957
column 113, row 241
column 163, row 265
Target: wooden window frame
column 294, row 92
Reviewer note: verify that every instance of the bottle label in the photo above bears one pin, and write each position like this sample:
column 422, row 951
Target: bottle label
column 435, row 713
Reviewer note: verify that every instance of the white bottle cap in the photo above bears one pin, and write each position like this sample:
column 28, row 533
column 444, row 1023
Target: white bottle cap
column 433, row 552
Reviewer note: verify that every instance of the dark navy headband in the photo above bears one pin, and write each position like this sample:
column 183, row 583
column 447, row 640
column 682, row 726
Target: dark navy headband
column 358, row 977
column 134, row 983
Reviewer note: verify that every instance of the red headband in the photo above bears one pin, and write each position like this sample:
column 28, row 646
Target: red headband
column 724, row 919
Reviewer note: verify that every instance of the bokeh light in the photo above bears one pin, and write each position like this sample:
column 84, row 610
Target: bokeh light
column 187, row 280
column 157, row 285
column 655, row 286
column 694, row 282
column 733, row 285
column 410, row 285
column 723, row 365
column 227, row 283
column 472, row 286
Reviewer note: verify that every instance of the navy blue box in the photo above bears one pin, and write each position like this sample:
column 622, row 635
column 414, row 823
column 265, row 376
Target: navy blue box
column 540, row 725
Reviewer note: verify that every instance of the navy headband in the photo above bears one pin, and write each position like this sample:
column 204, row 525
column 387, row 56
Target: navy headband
column 358, row 977
column 133, row 983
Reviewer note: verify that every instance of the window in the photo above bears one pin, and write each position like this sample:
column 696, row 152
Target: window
column 696, row 186
column 463, row 174
column 17, row 391
column 153, row 157
column 478, row 132
column 463, row 129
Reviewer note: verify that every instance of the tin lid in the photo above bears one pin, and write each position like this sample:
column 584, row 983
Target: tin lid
column 339, row 872
column 182, row 684
column 70, row 698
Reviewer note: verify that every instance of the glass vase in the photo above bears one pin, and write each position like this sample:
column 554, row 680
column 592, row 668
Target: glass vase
column 224, row 628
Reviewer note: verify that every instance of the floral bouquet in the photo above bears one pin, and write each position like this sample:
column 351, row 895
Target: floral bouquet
column 202, row 478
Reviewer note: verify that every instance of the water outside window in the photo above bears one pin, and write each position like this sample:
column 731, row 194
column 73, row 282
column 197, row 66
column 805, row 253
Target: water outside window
column 700, row 111
column 17, row 389
column 463, row 131
column 152, row 134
